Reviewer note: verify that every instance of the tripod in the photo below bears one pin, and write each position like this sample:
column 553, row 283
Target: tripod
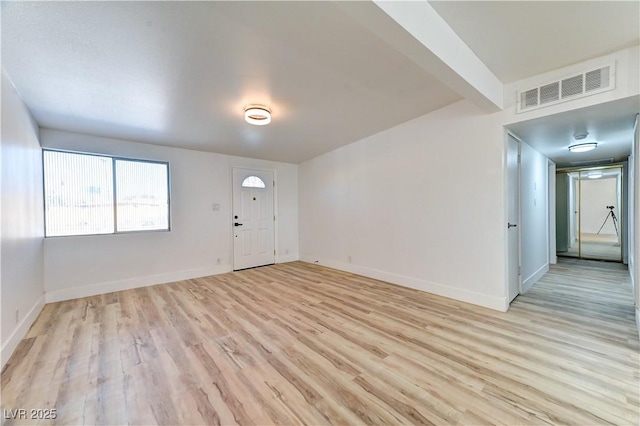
column 613, row 217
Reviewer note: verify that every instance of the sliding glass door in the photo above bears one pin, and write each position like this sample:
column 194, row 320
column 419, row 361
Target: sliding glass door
column 588, row 213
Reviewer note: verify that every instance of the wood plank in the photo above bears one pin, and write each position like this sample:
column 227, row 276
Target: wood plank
column 298, row 343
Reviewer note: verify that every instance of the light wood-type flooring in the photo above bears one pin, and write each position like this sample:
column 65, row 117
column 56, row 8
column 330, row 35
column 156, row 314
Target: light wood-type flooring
column 298, row 343
column 594, row 246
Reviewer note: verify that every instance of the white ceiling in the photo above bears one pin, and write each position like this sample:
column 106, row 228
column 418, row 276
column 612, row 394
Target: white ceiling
column 609, row 124
column 518, row 39
column 180, row 73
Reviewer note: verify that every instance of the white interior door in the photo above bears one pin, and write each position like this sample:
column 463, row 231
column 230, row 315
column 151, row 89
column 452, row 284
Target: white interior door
column 253, row 219
column 513, row 215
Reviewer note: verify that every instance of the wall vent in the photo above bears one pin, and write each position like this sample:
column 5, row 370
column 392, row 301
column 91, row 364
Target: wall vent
column 602, row 162
column 566, row 89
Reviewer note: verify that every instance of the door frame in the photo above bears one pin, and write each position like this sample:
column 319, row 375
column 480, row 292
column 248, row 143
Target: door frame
column 551, row 216
column 275, row 208
column 622, row 229
column 508, row 134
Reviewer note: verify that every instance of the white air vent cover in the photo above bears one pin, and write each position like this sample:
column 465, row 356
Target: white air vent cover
column 569, row 88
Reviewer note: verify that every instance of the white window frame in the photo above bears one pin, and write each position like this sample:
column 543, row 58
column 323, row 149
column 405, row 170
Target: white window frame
column 113, row 159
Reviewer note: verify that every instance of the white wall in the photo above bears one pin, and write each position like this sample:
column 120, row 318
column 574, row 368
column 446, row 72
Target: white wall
column 419, row 205
column 534, row 196
column 596, row 194
column 200, row 241
column 21, row 276
column 423, row 204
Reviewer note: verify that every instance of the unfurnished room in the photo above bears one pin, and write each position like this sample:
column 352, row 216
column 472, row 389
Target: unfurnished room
column 320, row 212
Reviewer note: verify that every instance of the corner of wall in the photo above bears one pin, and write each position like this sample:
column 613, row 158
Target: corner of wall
column 531, row 280
column 496, row 303
column 21, row 212
column 287, row 258
column 633, row 287
column 21, row 330
column 131, row 283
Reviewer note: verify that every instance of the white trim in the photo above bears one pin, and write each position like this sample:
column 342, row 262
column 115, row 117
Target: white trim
column 287, row 258
column 507, row 134
column 21, row 330
column 276, row 215
column 529, row 282
column 491, row 302
column 505, row 207
column 633, row 287
column 131, row 283
column 551, row 212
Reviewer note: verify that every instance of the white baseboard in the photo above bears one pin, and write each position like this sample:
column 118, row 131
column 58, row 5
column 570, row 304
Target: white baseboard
column 146, row 281
column 21, row 330
column 633, row 286
column 287, row 258
column 491, row 302
column 529, row 282
column 130, row 283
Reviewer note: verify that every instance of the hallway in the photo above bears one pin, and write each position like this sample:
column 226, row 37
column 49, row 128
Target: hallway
column 588, row 306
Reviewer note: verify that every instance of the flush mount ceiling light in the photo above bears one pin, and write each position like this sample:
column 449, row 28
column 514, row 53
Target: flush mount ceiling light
column 257, row 114
column 583, row 147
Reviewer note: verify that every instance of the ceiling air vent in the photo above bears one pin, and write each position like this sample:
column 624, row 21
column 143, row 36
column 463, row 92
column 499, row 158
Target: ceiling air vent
column 549, row 93
column 596, row 79
column 602, row 162
column 572, row 86
column 529, row 98
column 569, row 88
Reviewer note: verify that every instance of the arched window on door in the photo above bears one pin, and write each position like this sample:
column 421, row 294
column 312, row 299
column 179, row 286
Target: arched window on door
column 253, row 182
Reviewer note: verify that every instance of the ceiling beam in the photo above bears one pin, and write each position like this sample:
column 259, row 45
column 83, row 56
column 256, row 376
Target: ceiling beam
column 421, row 34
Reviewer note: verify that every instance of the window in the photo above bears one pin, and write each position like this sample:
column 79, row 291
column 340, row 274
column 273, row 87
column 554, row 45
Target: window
column 88, row 194
column 253, row 182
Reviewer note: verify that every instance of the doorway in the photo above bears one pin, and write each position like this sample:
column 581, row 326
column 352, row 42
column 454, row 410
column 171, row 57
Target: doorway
column 589, row 213
column 253, row 218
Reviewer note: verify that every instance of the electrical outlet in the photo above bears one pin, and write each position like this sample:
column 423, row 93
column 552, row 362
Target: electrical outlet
column 17, row 316
column 219, row 260
column 349, row 258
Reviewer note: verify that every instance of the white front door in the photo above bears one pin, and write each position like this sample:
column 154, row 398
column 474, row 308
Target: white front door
column 513, row 214
column 252, row 219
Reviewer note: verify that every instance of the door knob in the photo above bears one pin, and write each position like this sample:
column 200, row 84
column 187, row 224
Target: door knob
column 511, row 225
column 237, row 224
